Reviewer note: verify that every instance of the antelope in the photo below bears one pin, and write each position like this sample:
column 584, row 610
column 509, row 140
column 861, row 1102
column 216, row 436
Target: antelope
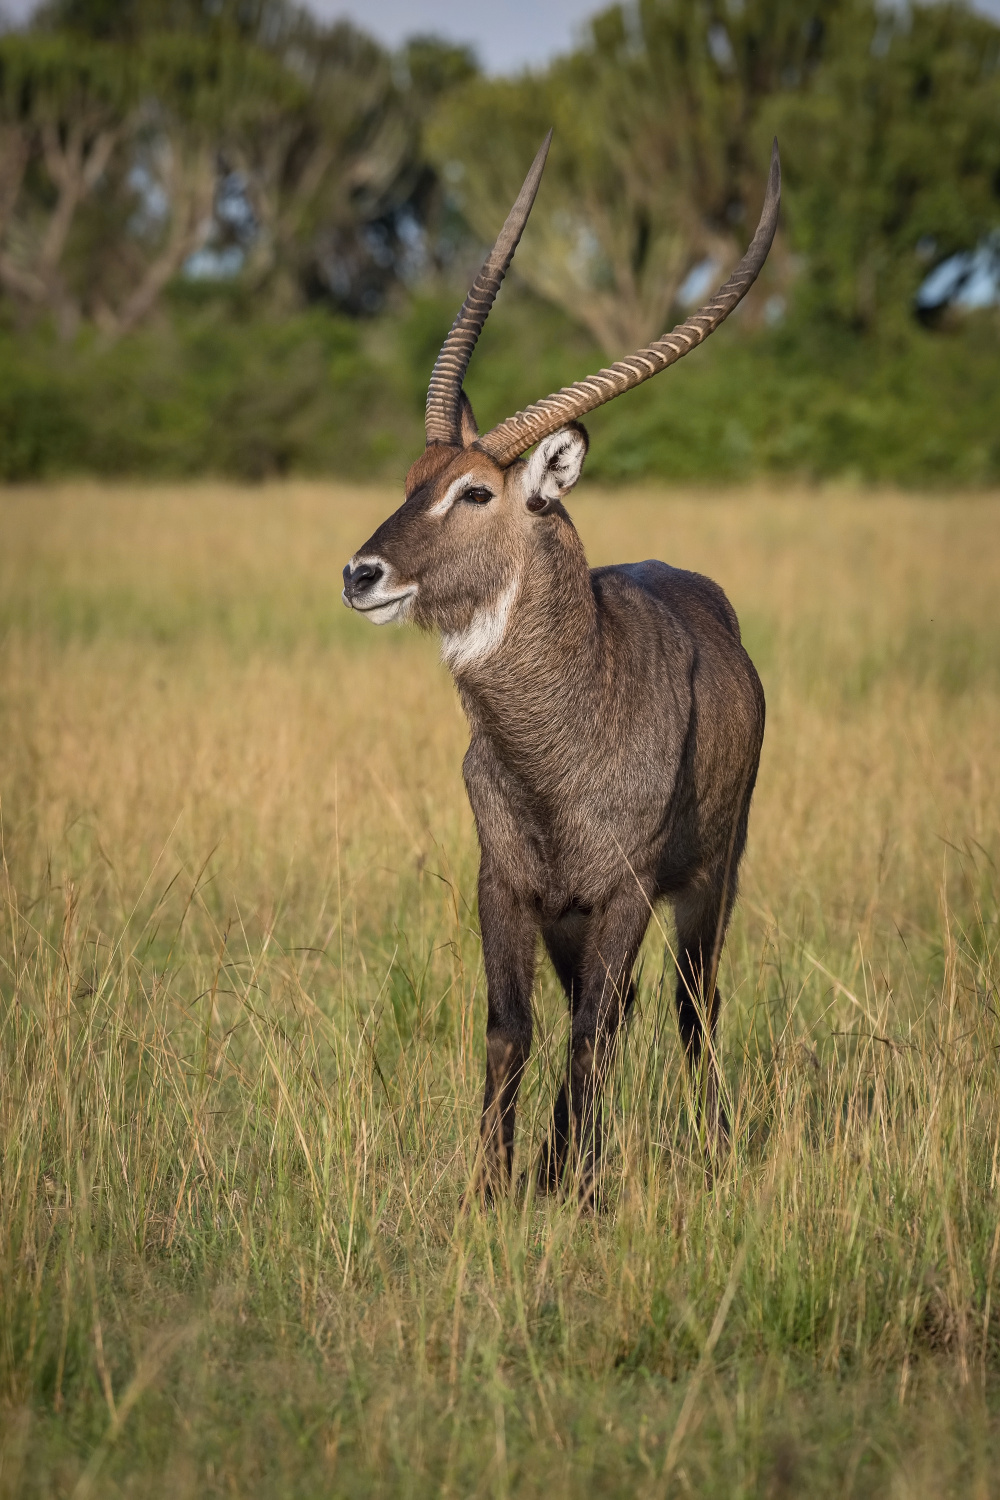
column 616, row 721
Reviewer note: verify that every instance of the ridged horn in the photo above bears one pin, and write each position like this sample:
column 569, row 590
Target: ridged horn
column 513, row 437
column 442, row 416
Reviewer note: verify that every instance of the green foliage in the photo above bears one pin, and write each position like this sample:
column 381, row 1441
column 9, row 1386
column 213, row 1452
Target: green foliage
column 655, row 160
column 216, row 386
column 894, row 150
column 114, row 141
column 887, row 123
column 207, row 391
column 132, row 20
column 219, row 88
column 42, row 430
column 434, row 67
column 664, row 115
column 62, row 78
column 919, row 411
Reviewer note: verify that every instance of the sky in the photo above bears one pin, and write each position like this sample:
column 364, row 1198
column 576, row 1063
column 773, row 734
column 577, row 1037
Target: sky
column 507, row 34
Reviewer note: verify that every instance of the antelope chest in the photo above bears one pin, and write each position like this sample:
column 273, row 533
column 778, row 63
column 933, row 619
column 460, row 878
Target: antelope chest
column 563, row 841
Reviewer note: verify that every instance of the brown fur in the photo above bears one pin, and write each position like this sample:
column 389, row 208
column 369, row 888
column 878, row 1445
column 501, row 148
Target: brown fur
column 616, row 725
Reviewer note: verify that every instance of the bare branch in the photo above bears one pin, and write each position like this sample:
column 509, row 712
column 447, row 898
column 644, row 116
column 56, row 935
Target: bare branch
column 22, row 283
column 14, row 151
column 191, row 190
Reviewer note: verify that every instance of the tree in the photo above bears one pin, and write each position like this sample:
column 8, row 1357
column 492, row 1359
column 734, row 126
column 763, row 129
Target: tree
column 64, row 107
column 119, row 143
column 205, row 100
column 343, row 191
column 321, row 167
column 236, row 122
column 893, row 156
column 111, row 161
column 655, row 161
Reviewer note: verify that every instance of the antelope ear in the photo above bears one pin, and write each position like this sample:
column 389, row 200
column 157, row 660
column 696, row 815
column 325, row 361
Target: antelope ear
column 554, row 467
column 468, row 427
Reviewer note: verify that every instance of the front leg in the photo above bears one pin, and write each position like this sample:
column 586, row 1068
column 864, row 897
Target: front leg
column 509, row 930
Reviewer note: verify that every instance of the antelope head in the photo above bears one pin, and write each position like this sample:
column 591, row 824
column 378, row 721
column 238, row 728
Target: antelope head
column 451, row 556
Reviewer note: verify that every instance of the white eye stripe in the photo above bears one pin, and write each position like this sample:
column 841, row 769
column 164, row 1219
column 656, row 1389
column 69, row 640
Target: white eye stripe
column 451, row 494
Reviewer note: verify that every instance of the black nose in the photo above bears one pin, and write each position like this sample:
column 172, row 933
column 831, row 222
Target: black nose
column 362, row 578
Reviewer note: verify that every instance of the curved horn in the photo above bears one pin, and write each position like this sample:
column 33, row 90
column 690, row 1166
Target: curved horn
column 441, row 418
column 511, row 438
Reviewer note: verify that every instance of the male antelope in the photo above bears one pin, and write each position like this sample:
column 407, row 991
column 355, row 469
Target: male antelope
column 616, row 719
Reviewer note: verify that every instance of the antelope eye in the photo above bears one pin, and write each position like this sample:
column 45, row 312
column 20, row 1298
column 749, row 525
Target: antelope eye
column 478, row 495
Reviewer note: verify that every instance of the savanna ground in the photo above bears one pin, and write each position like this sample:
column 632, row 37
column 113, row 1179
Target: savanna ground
column 241, row 1033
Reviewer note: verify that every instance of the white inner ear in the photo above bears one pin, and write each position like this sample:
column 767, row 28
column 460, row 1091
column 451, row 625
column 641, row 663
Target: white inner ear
column 555, row 465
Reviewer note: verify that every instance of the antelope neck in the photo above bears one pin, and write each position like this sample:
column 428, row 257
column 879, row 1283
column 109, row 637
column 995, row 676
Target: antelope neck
column 529, row 687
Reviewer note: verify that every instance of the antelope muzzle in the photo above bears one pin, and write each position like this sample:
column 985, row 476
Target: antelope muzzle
column 372, row 587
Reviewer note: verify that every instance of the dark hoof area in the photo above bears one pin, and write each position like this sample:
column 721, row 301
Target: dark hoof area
column 551, row 1170
column 717, row 1146
column 590, row 1197
column 557, row 1180
column 481, row 1196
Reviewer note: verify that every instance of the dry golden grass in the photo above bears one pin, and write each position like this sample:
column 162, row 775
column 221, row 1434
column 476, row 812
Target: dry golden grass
column 242, row 1011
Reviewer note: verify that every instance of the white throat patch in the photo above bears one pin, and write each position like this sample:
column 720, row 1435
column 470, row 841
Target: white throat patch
column 460, row 648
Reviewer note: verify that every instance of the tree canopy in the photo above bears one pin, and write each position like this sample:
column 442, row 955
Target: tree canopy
column 893, row 155
column 889, row 125
column 136, row 133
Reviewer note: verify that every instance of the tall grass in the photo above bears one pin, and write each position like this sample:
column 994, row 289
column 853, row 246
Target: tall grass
column 241, row 1016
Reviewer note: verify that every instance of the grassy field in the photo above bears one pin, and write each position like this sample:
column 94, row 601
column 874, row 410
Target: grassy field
column 242, row 1012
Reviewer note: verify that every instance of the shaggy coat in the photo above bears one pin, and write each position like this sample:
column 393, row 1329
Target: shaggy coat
column 616, row 725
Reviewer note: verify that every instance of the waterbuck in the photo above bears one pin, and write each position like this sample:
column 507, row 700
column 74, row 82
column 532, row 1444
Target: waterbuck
column 616, row 720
